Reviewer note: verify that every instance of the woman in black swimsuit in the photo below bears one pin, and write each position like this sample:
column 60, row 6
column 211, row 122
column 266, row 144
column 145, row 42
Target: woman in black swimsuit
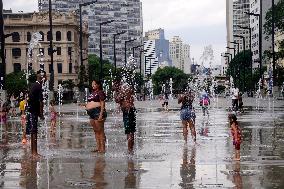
column 96, row 110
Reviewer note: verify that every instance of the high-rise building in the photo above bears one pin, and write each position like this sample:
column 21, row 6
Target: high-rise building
column 235, row 17
column 156, row 50
column 127, row 16
column 180, row 54
column 254, row 24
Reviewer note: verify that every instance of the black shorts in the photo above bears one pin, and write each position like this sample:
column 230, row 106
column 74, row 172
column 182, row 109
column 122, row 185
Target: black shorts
column 129, row 120
column 94, row 113
column 165, row 103
column 32, row 122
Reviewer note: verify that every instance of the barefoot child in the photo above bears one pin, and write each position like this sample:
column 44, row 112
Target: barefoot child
column 22, row 107
column 236, row 134
column 53, row 115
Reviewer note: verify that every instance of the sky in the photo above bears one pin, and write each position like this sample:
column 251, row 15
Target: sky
column 198, row 22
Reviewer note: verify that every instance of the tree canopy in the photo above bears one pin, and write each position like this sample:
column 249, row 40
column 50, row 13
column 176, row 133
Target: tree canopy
column 163, row 75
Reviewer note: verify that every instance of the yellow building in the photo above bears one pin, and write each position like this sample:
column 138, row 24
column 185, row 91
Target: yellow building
column 66, row 59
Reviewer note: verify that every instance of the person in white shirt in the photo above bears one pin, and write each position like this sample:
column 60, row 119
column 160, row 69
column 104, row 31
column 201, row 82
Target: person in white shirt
column 235, row 97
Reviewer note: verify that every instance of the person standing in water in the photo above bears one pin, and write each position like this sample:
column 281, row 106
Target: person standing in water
column 124, row 97
column 96, row 110
column 35, row 110
column 187, row 114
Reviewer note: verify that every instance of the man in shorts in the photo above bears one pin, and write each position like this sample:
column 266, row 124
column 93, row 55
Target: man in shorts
column 124, row 96
column 35, row 110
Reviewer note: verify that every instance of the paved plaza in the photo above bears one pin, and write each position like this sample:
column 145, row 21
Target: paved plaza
column 162, row 159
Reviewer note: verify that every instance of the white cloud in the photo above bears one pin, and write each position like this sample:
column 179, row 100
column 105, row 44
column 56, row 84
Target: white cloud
column 181, row 14
column 21, row 5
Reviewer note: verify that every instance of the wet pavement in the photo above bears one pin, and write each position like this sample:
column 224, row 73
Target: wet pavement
column 162, row 159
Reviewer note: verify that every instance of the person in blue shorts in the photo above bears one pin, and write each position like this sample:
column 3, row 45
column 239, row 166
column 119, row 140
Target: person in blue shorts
column 187, row 114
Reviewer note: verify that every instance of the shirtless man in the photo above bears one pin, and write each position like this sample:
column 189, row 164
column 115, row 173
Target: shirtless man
column 124, row 97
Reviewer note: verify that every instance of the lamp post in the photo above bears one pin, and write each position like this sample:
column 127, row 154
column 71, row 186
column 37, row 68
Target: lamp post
column 225, row 56
column 81, row 28
column 125, row 49
column 233, row 42
column 114, row 48
column 133, row 48
column 3, row 63
column 232, row 49
column 140, row 65
column 101, row 49
column 51, row 82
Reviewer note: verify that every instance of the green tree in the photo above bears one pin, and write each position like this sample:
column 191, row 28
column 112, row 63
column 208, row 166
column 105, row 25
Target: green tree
column 163, row 75
column 16, row 82
column 240, row 69
column 279, row 27
column 83, row 78
column 95, row 68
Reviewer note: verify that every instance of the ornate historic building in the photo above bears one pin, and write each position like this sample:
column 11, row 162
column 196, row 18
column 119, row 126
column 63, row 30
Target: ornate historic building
column 65, row 42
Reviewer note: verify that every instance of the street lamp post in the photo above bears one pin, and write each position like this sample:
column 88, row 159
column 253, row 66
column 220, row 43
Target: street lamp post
column 81, row 28
column 51, row 83
column 101, row 48
column 225, row 56
column 233, row 42
column 3, row 63
column 133, row 49
column 125, row 49
column 232, row 49
column 114, row 48
column 140, row 66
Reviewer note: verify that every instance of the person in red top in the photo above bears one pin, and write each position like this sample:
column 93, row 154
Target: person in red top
column 236, row 135
column 97, row 112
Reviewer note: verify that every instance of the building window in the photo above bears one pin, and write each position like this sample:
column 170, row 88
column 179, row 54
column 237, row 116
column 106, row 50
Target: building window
column 42, row 36
column 58, row 50
column 29, row 36
column 16, row 37
column 16, row 52
column 59, row 67
column 58, row 36
column 70, row 68
column 17, row 67
column 69, row 36
column 48, row 36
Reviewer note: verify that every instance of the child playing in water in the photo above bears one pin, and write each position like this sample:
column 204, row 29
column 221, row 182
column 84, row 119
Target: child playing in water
column 53, row 115
column 236, row 135
column 22, row 107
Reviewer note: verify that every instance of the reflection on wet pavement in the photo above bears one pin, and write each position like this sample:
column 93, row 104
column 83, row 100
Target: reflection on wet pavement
column 161, row 158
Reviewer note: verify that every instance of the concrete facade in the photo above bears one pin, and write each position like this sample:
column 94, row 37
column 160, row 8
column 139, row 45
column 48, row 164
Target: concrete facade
column 65, row 39
column 127, row 16
column 235, row 16
column 180, row 54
